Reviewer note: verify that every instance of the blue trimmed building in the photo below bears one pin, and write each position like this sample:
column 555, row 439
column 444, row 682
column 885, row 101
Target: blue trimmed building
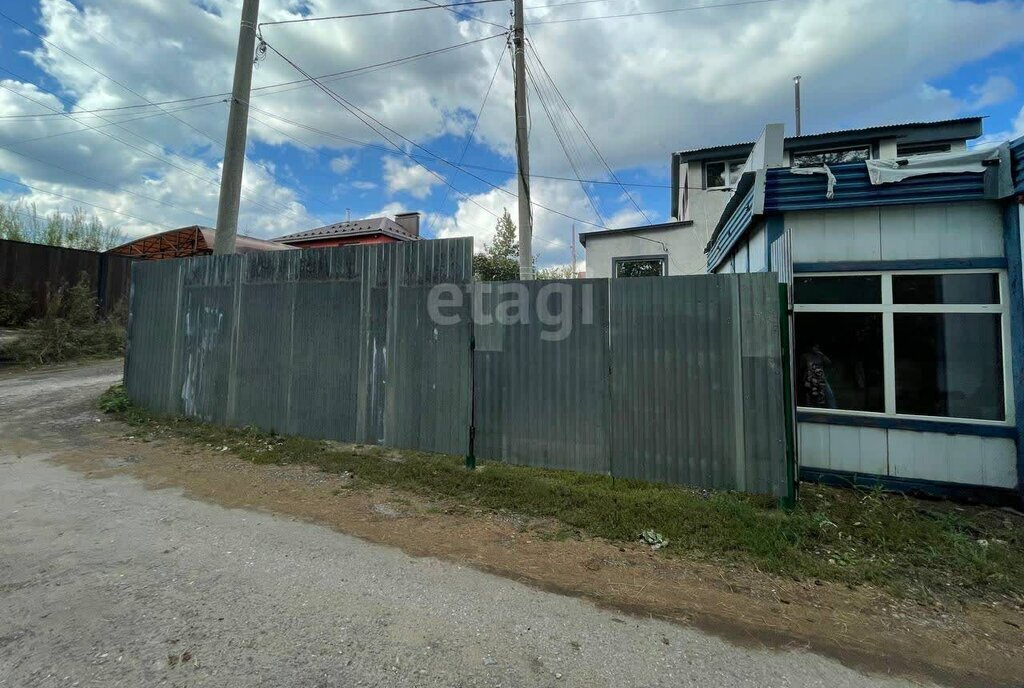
column 902, row 250
column 907, row 307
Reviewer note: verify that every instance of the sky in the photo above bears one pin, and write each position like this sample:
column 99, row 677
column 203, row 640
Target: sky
column 625, row 83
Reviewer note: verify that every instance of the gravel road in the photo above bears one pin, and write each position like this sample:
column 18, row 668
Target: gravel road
column 106, row 583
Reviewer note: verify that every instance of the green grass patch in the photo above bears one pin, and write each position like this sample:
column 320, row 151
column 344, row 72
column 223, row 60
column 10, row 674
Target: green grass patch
column 913, row 548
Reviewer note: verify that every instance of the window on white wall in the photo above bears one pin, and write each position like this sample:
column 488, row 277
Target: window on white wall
column 640, row 266
column 928, row 345
column 833, row 156
column 722, row 174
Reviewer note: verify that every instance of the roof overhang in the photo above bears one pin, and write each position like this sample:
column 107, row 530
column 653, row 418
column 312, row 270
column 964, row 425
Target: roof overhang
column 601, row 233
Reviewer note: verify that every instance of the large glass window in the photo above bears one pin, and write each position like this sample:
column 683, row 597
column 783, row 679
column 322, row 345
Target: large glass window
column 839, row 361
column 722, row 174
column 830, row 157
column 949, row 364
column 911, row 343
column 653, row 266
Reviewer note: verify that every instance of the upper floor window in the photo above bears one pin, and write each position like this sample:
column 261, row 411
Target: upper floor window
column 834, row 156
column 911, row 149
column 722, row 174
column 640, row 266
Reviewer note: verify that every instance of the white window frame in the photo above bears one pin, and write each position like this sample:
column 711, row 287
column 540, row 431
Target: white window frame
column 729, row 181
column 888, row 309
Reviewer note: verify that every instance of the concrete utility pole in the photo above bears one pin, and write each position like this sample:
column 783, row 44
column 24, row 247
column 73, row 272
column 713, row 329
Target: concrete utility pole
column 522, row 148
column 234, row 143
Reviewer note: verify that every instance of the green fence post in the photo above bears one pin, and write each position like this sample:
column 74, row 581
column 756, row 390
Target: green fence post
column 471, row 455
column 788, row 501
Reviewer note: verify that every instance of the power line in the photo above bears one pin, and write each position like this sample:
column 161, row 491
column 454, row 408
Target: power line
column 583, row 129
column 76, row 200
column 159, row 158
column 108, row 124
column 259, row 90
column 476, row 123
column 136, row 94
column 464, row 15
column 376, row 14
column 562, row 136
column 639, row 14
column 363, row 116
column 108, row 184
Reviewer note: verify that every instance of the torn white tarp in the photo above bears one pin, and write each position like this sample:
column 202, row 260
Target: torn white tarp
column 898, row 169
column 819, row 170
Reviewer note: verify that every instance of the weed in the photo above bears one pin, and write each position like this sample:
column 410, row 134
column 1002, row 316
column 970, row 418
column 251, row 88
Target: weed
column 71, row 329
column 913, row 548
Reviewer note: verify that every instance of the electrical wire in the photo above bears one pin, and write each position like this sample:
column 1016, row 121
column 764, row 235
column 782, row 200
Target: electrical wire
column 544, row 100
column 76, row 200
column 377, row 14
column 464, row 15
column 262, row 90
column 476, row 123
column 141, row 97
column 207, row 180
column 640, row 14
column 370, row 121
column 583, row 129
column 107, row 184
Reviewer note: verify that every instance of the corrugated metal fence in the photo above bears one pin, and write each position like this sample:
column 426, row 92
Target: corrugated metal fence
column 674, row 379
column 38, row 269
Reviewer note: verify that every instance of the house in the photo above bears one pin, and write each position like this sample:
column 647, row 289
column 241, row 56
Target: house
column 902, row 253
column 705, row 179
column 188, row 241
column 371, row 230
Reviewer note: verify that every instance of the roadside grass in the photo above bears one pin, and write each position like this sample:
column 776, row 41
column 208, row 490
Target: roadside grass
column 924, row 550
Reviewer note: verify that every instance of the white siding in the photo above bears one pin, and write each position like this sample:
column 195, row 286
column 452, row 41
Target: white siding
column 835, row 235
column 929, row 231
column 953, row 458
column 965, row 459
column 685, row 250
column 757, row 252
column 842, row 448
column 955, row 230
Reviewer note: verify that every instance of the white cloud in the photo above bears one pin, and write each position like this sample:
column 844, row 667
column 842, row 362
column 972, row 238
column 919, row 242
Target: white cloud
column 364, row 185
column 995, row 90
column 342, row 164
column 414, row 179
column 643, row 86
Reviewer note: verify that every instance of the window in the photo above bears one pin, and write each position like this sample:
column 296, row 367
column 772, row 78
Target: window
column 640, row 266
column 723, row 174
column 830, row 157
column 909, row 150
column 930, row 345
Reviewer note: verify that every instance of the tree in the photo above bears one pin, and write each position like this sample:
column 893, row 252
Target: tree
column 21, row 222
column 556, row 272
column 500, row 260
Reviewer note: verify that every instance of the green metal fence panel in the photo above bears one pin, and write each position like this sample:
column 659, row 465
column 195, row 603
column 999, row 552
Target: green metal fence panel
column 307, row 342
column 696, row 382
column 675, row 380
column 541, row 377
column 152, row 371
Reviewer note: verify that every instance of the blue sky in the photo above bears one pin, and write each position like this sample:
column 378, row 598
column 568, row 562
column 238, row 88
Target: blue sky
column 642, row 86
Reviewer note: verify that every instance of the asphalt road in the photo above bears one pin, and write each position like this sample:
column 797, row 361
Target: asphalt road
column 106, row 583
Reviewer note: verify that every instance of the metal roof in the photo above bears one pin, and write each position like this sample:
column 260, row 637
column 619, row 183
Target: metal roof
column 964, row 126
column 189, row 241
column 369, row 225
column 626, row 230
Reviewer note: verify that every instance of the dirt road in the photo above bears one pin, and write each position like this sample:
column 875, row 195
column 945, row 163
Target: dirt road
column 106, row 582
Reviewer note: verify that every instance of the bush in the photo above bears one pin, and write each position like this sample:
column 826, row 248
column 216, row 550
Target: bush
column 15, row 305
column 115, row 400
column 71, row 328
